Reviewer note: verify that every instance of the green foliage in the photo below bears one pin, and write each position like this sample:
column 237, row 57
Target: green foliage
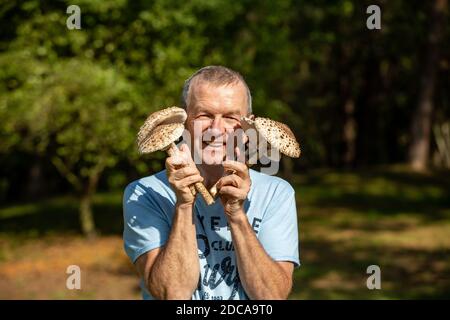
column 73, row 109
column 74, row 100
column 303, row 61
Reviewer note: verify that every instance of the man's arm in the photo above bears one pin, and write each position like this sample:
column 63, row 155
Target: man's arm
column 261, row 276
column 172, row 271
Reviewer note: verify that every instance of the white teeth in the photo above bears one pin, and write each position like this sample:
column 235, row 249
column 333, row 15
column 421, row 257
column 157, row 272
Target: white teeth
column 214, row 144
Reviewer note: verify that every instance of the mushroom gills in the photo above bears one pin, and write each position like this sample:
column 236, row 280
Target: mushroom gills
column 159, row 132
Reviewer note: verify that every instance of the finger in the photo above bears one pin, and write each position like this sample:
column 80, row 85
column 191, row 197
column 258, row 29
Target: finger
column 233, row 192
column 238, row 153
column 184, row 172
column 178, row 160
column 184, row 148
column 188, row 181
column 169, row 165
column 232, row 179
column 240, row 168
column 174, row 162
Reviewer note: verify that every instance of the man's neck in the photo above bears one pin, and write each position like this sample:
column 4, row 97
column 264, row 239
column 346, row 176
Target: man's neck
column 210, row 173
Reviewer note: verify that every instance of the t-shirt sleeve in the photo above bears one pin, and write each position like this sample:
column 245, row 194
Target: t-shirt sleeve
column 279, row 230
column 145, row 224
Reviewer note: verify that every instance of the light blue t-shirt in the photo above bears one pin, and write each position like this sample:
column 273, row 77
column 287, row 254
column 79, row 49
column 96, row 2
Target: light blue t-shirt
column 149, row 206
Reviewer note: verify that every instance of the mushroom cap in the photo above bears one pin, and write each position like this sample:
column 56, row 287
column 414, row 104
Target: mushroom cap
column 164, row 116
column 161, row 137
column 277, row 134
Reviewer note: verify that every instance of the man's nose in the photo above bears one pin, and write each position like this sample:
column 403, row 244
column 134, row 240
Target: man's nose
column 217, row 126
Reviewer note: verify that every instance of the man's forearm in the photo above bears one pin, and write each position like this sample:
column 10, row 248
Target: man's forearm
column 176, row 270
column 261, row 277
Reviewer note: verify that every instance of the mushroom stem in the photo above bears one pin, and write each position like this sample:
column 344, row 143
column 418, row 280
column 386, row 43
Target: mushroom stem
column 171, row 150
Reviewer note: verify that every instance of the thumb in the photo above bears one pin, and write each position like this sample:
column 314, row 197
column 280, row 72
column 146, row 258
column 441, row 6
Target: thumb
column 238, row 153
column 186, row 153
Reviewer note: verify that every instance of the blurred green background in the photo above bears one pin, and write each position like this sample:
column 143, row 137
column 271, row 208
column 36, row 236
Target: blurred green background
column 369, row 107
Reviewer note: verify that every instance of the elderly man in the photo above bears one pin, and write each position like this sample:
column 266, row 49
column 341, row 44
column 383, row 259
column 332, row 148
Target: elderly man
column 244, row 246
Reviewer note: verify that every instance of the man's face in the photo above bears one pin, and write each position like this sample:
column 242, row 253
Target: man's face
column 213, row 113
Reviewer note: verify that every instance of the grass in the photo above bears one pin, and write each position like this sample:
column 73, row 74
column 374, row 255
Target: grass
column 389, row 217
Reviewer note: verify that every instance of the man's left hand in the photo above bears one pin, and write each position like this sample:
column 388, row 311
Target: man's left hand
column 234, row 188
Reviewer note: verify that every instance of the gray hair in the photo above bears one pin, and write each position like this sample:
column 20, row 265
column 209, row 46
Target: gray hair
column 217, row 75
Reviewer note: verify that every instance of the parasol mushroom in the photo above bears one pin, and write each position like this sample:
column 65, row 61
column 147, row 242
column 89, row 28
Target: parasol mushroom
column 160, row 131
column 276, row 134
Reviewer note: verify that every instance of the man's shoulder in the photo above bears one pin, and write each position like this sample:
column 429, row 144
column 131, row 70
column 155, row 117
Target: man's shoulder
column 154, row 183
column 264, row 181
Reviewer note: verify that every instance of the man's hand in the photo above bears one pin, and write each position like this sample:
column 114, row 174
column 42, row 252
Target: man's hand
column 234, row 188
column 182, row 173
column 172, row 271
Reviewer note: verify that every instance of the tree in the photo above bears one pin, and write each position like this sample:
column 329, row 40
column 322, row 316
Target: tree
column 78, row 113
column 422, row 117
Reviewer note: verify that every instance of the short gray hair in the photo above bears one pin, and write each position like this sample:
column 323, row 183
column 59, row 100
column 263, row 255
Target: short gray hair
column 217, row 75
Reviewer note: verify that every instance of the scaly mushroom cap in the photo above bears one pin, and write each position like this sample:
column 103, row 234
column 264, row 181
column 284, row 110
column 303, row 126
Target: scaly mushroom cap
column 277, row 134
column 164, row 116
column 161, row 137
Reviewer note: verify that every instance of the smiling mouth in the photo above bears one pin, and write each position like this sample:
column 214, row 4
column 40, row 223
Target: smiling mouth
column 213, row 144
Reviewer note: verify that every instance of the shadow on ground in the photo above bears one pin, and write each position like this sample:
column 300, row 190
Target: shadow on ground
column 348, row 221
column 60, row 215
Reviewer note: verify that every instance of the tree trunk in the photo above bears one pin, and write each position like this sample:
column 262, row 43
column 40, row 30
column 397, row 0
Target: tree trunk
column 349, row 126
column 36, row 183
column 349, row 132
column 421, row 122
column 86, row 216
column 349, row 129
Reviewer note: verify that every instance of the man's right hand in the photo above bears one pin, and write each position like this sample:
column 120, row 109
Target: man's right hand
column 182, row 173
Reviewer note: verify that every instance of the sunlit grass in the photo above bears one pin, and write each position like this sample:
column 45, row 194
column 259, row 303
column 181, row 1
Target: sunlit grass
column 347, row 221
column 392, row 218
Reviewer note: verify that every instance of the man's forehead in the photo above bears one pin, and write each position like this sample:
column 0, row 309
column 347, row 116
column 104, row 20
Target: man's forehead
column 204, row 95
